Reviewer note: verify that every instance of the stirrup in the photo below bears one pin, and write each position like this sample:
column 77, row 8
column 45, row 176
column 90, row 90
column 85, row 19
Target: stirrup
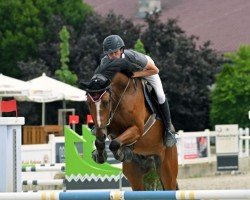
column 169, row 139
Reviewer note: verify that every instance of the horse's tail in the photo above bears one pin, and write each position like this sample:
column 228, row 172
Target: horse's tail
column 146, row 163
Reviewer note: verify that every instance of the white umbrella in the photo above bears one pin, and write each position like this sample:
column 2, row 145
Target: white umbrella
column 26, row 91
column 67, row 91
column 11, row 87
column 40, row 94
column 60, row 91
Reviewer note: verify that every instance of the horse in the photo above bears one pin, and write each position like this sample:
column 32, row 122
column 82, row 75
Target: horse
column 120, row 112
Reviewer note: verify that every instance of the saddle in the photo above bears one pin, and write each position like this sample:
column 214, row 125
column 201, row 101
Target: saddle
column 151, row 99
column 152, row 104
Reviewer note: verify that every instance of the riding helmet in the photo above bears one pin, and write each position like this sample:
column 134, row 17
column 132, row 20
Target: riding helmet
column 112, row 43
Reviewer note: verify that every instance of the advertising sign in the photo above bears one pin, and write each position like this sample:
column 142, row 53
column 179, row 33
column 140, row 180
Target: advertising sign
column 227, row 147
column 195, row 147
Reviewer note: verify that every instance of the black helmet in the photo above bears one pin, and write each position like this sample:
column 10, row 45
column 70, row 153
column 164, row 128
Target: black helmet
column 112, row 43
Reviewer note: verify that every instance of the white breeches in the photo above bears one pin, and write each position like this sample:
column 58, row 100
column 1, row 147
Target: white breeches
column 155, row 81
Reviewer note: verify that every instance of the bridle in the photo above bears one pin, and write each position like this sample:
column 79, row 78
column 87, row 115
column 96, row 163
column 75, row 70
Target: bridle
column 111, row 112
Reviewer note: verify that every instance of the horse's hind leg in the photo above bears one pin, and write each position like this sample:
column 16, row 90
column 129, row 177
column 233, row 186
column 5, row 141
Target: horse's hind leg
column 134, row 175
column 168, row 170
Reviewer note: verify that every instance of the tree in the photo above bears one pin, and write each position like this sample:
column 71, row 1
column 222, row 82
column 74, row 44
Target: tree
column 64, row 74
column 85, row 45
column 20, row 31
column 186, row 71
column 86, row 48
column 231, row 95
column 24, row 26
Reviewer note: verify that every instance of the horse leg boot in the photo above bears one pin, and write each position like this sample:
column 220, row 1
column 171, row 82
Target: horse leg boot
column 100, row 155
column 169, row 139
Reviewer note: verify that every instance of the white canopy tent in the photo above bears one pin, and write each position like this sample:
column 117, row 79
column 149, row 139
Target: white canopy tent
column 60, row 91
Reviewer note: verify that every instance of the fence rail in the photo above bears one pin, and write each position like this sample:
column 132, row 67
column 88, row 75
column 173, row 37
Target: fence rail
column 130, row 195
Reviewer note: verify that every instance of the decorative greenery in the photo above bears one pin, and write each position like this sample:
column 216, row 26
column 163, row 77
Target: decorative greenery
column 231, row 95
column 152, row 181
column 139, row 46
column 64, row 74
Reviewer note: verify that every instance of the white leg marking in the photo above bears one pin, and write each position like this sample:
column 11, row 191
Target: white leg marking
column 98, row 104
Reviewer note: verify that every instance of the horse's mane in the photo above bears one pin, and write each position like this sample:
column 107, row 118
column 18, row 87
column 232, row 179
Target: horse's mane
column 105, row 73
column 110, row 68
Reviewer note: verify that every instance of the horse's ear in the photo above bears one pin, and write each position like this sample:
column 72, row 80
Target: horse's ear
column 84, row 84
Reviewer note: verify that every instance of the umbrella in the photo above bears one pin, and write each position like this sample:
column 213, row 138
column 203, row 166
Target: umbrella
column 67, row 91
column 11, row 87
column 26, row 91
column 42, row 95
column 60, row 91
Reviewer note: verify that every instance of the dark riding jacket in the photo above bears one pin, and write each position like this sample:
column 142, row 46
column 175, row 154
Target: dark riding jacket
column 138, row 60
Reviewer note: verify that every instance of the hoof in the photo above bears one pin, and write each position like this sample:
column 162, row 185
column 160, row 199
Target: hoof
column 124, row 154
column 119, row 155
column 114, row 146
column 99, row 158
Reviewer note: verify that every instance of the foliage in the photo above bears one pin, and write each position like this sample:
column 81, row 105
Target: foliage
column 20, row 31
column 24, row 26
column 139, row 46
column 64, row 74
column 186, row 71
column 85, row 45
column 32, row 69
column 151, row 180
column 86, row 49
column 29, row 32
column 231, row 95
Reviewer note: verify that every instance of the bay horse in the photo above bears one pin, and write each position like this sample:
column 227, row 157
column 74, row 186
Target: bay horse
column 119, row 111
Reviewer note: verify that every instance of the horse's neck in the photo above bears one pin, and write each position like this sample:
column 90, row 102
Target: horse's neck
column 131, row 97
column 120, row 80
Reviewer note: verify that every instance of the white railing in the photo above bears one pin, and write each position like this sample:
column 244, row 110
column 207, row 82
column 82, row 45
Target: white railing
column 244, row 138
column 191, row 150
column 193, row 147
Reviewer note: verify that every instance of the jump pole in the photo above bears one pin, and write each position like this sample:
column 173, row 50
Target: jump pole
column 129, row 195
column 43, row 169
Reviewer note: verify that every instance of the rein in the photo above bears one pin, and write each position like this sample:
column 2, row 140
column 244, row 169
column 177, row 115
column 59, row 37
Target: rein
column 112, row 113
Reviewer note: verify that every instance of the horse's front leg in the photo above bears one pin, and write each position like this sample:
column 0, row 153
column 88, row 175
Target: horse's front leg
column 99, row 155
column 118, row 145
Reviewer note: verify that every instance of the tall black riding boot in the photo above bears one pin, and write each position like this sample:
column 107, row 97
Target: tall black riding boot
column 169, row 139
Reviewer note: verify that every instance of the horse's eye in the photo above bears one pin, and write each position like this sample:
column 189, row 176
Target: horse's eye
column 105, row 103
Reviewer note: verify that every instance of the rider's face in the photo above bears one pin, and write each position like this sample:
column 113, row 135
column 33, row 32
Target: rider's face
column 115, row 55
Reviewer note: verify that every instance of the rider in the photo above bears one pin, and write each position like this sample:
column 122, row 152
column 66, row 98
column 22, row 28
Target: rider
column 114, row 48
